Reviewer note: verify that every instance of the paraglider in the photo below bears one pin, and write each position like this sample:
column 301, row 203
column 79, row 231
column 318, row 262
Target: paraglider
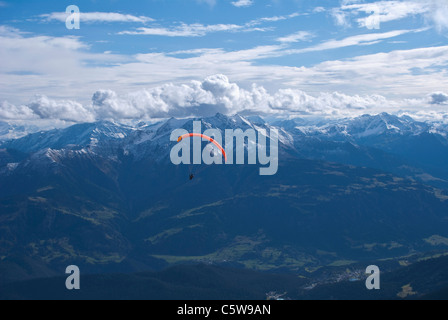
column 250, row 144
column 190, row 135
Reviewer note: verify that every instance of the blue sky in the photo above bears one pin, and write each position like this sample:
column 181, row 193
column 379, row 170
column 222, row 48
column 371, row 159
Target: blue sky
column 156, row 58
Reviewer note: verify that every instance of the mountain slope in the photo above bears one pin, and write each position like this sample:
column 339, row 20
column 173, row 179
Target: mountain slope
column 195, row 282
column 425, row 279
column 106, row 197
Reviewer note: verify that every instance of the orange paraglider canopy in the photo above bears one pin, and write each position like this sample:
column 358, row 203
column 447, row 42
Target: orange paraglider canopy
column 190, row 135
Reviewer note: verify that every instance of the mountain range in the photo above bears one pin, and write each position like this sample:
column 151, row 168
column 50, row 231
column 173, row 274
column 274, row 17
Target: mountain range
column 106, row 197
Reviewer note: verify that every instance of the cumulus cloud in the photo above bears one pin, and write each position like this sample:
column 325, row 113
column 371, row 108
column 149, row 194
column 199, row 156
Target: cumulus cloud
column 41, row 107
column 218, row 94
column 66, row 110
column 214, row 94
column 197, row 98
column 9, row 111
column 204, row 98
column 326, row 104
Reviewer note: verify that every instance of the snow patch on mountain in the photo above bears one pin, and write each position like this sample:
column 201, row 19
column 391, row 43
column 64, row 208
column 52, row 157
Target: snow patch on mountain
column 152, row 140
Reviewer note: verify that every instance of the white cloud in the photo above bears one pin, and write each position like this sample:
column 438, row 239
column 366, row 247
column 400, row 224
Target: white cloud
column 214, row 94
column 436, row 117
column 65, row 110
column 319, row 9
column 385, row 10
column 217, row 94
column 398, row 74
column 186, row 30
column 438, row 14
column 37, row 54
column 41, row 107
column 47, row 65
column 435, row 12
column 358, row 40
column 7, row 31
column 93, row 17
column 274, row 18
column 296, row 37
column 340, row 17
column 242, row 3
column 327, row 104
column 63, row 69
column 200, row 30
column 204, row 98
column 9, row 111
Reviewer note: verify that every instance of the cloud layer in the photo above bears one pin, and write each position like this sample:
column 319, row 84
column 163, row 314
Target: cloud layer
column 213, row 94
column 297, row 71
column 94, row 17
